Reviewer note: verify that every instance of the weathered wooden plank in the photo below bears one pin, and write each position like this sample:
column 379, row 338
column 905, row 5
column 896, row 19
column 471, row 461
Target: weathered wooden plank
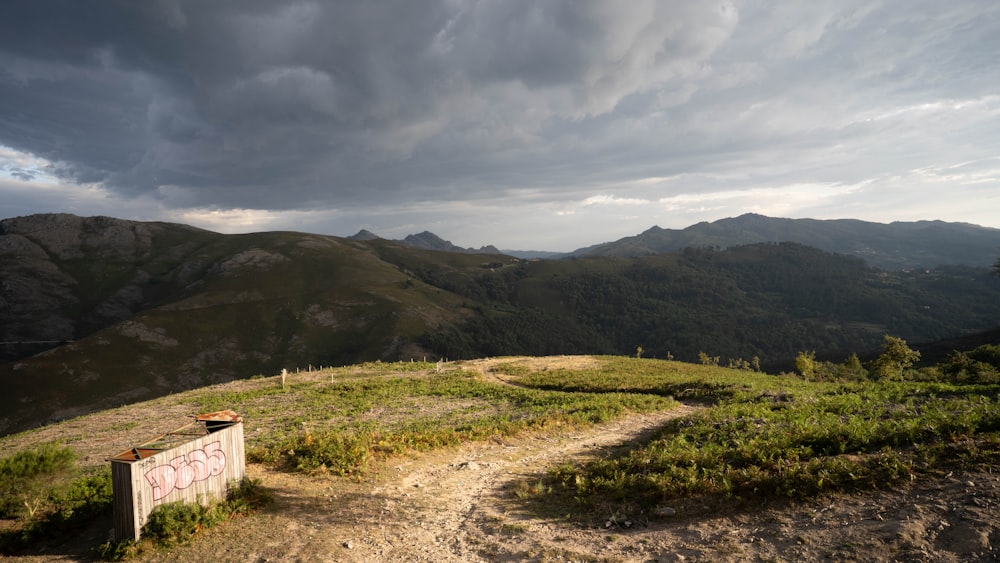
column 200, row 469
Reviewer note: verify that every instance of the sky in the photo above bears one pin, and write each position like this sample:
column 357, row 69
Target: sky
column 528, row 125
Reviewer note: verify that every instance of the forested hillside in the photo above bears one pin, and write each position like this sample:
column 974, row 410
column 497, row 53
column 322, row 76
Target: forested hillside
column 99, row 312
column 764, row 300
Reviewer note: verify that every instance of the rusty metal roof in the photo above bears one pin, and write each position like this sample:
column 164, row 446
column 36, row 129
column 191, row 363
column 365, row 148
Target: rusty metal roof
column 220, row 416
column 203, row 425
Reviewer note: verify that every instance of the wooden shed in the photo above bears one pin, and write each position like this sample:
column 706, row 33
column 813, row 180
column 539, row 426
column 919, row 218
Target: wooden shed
column 195, row 463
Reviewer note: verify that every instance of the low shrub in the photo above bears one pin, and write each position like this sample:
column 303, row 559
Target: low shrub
column 62, row 508
column 176, row 522
column 27, row 476
column 828, row 437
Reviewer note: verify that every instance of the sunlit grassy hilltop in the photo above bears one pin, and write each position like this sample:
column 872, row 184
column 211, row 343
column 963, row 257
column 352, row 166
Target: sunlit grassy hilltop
column 753, row 436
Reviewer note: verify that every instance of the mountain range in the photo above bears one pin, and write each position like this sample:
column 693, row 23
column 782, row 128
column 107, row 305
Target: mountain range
column 428, row 241
column 897, row 245
column 98, row 311
column 891, row 246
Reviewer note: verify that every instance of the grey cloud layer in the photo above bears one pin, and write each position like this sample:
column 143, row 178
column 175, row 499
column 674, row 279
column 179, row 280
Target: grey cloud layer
column 284, row 105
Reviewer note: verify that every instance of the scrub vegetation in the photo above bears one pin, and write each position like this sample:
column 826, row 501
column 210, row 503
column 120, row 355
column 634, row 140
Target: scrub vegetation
column 753, row 438
column 766, row 437
column 44, row 492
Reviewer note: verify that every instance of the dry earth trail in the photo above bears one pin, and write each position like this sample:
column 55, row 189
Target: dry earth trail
column 452, row 505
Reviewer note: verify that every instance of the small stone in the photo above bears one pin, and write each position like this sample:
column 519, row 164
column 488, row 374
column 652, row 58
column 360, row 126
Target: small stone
column 348, row 545
column 664, row 511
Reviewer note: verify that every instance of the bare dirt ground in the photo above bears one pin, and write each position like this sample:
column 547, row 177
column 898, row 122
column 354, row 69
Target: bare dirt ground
column 472, row 503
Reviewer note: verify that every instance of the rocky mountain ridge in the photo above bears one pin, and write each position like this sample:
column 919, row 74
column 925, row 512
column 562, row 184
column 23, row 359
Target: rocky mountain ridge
column 892, row 246
column 35, row 289
column 428, row 241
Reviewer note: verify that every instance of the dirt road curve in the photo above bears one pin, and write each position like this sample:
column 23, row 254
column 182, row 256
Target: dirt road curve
column 440, row 507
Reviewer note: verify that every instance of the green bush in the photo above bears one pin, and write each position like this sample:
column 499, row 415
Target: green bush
column 976, row 366
column 176, row 522
column 26, row 477
column 115, row 551
column 85, row 497
column 988, row 354
column 247, row 498
column 895, row 359
column 61, row 508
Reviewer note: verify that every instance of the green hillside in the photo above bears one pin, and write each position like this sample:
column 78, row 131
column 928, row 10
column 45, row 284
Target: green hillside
column 206, row 308
column 764, row 300
column 133, row 310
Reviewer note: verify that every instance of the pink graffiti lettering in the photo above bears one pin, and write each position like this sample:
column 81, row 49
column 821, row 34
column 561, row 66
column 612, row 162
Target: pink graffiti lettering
column 183, row 470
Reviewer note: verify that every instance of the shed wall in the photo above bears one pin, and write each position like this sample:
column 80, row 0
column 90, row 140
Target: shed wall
column 195, row 471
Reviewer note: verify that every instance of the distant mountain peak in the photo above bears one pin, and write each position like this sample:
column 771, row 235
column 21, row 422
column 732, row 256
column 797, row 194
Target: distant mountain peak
column 429, row 241
column 364, row 234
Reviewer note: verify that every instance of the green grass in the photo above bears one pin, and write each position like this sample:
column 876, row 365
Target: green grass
column 780, row 437
column 348, row 424
column 759, row 435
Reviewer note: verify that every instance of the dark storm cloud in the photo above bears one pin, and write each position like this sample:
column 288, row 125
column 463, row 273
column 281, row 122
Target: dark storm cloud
column 22, row 174
column 256, row 104
column 266, row 104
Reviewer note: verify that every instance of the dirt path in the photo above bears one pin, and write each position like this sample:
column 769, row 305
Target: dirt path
column 444, row 506
column 459, row 507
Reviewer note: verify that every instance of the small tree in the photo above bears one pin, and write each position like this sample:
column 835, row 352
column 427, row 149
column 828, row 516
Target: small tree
column 895, row 359
column 805, row 362
column 853, row 367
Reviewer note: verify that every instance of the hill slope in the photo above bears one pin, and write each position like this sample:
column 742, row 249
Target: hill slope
column 148, row 309
column 765, row 300
column 99, row 312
